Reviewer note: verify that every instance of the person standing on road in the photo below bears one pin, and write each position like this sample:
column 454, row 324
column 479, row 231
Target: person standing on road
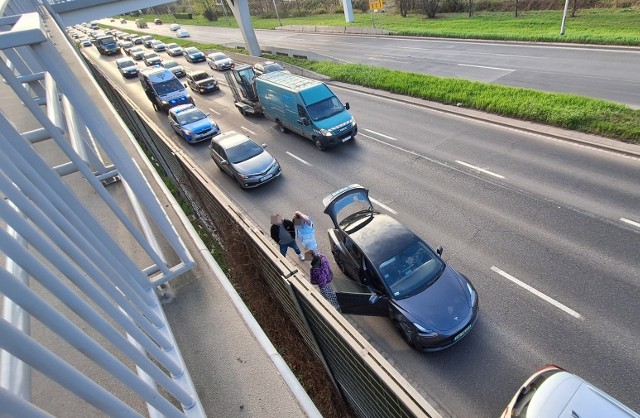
column 305, row 231
column 284, row 233
column 322, row 276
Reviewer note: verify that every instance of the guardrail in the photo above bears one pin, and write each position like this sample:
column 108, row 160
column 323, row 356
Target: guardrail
column 370, row 385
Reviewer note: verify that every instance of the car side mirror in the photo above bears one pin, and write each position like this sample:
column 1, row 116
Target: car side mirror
column 185, row 86
column 224, row 162
column 346, row 106
column 373, row 298
column 264, row 145
column 304, row 121
column 439, row 250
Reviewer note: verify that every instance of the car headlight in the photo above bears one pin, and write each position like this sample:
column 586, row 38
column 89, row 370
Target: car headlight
column 424, row 331
column 186, row 132
column 473, row 294
column 326, row 132
column 164, row 102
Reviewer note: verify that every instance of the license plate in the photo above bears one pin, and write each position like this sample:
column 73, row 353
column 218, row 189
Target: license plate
column 463, row 333
column 346, row 139
column 267, row 177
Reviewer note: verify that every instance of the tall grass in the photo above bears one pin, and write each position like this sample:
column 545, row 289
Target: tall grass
column 577, row 113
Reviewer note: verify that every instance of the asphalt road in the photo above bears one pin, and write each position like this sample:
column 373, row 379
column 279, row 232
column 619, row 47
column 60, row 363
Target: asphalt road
column 593, row 71
column 508, row 208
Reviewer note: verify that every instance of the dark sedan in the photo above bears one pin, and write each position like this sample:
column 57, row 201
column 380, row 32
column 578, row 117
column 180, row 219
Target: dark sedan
column 245, row 161
column 432, row 305
column 202, row 82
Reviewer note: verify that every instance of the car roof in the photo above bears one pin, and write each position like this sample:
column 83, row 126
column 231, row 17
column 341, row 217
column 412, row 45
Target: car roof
column 182, row 108
column 382, row 237
column 231, row 139
column 565, row 395
column 198, row 72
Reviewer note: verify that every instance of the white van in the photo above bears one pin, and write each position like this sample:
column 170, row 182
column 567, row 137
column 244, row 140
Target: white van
column 555, row 393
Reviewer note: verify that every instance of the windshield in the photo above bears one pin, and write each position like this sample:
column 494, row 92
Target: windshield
column 171, row 46
column 200, row 76
column 191, row 116
column 124, row 64
column 168, row 86
column 170, row 64
column 106, row 41
column 243, row 152
column 325, row 108
column 411, row 271
column 219, row 56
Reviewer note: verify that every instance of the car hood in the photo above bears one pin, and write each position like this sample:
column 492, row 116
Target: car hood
column 255, row 165
column 177, row 69
column 442, row 306
column 130, row 68
column 226, row 61
column 341, row 119
column 198, row 126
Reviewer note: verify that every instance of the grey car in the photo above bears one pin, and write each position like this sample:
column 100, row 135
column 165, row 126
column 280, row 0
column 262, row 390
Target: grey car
column 151, row 58
column 174, row 67
column 245, row 161
column 219, row 61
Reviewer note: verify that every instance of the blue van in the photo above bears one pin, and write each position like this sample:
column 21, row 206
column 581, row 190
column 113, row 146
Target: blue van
column 307, row 107
column 163, row 89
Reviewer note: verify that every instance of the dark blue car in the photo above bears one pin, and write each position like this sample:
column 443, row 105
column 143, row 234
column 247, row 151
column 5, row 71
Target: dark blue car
column 193, row 54
column 432, row 305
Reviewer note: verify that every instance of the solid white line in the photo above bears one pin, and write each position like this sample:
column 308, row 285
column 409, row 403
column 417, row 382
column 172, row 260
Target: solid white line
column 213, row 111
column 385, row 207
column 482, row 170
column 298, row 158
column 248, row 130
column 382, row 135
column 488, row 68
column 630, row 222
column 537, row 293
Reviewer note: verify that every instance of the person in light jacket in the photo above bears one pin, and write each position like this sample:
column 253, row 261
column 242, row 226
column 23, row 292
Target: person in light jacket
column 322, row 276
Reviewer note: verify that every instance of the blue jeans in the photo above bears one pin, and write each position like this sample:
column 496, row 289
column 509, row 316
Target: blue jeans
column 293, row 244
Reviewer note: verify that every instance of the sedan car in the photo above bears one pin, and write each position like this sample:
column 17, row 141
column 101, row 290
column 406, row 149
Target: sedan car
column 137, row 52
column 432, row 305
column 192, row 124
column 245, row 161
column 553, row 392
column 85, row 42
column 193, row 54
column 127, row 67
column 151, row 58
column 174, row 67
column 126, row 47
column 157, row 21
column 157, row 46
column 202, row 82
column 173, row 49
column 174, row 27
column 219, row 61
column 136, row 40
column 146, row 40
column 267, row 67
column 182, row 33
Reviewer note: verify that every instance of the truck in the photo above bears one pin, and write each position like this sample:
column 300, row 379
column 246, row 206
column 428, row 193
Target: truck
column 141, row 23
column 241, row 82
column 107, row 45
column 305, row 106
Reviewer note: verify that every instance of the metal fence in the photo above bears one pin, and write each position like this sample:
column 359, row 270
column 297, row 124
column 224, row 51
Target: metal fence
column 370, row 385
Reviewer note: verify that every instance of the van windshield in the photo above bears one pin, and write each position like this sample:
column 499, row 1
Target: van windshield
column 325, row 108
column 168, row 86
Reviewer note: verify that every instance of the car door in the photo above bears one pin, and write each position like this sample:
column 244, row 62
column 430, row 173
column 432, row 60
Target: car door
column 173, row 121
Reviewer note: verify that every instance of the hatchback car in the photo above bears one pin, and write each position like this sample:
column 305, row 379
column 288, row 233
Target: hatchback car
column 219, row 61
column 182, row 33
column 552, row 392
column 157, row 46
column 137, row 52
column 432, row 305
column 127, row 67
column 173, row 49
column 193, row 54
column 192, row 124
column 245, row 161
column 267, row 67
column 202, row 82
column 151, row 58
column 174, row 67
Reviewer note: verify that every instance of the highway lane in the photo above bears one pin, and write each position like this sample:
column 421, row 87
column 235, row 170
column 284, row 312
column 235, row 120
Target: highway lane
column 582, row 257
column 606, row 73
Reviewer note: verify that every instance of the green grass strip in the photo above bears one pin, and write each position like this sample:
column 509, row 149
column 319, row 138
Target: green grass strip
column 593, row 116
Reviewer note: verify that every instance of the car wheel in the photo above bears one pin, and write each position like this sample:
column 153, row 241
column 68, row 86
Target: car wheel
column 405, row 333
column 281, row 127
column 319, row 144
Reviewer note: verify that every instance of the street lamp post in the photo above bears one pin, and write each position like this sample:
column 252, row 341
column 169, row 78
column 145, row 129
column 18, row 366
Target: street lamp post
column 564, row 16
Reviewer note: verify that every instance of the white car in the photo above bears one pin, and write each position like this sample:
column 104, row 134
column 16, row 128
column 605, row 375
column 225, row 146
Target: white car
column 182, row 33
column 219, row 61
column 173, row 49
column 174, row 27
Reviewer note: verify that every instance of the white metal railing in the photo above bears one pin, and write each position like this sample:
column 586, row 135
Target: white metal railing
column 54, row 239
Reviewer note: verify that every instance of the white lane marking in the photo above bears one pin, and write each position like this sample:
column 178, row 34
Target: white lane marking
column 537, row 293
column 482, row 170
column 382, row 135
column 477, row 53
column 298, row 158
column 388, row 59
column 383, row 206
column 213, row 111
column 630, row 222
column 248, row 130
column 488, row 68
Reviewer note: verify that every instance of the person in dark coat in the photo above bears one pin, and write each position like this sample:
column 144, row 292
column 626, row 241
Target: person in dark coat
column 283, row 232
column 322, row 276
